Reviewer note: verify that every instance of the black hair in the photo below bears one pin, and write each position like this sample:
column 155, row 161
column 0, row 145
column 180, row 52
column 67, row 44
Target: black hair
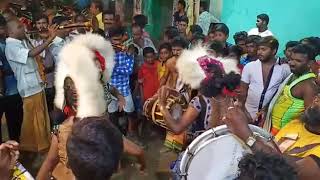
column 214, row 85
column 217, row 47
column 37, row 17
column 183, row 3
column 264, row 166
column 109, row 11
column 263, row 17
column 59, row 19
column 179, row 42
column 98, row 4
column 79, row 15
column 236, row 50
column 311, row 116
column 198, row 36
column 141, row 20
column 291, row 44
column 3, row 21
column 306, row 50
column 253, row 39
column 165, row 46
column 100, row 32
column 240, row 36
column 135, row 25
column 184, row 19
column 204, row 5
column 196, row 29
column 221, row 27
column 171, row 32
column 148, row 50
column 116, row 31
column 94, row 148
column 314, row 42
column 270, row 42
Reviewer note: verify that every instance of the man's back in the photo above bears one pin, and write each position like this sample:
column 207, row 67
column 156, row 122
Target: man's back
column 255, row 31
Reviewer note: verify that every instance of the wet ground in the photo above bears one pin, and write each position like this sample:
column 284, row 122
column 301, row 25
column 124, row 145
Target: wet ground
column 153, row 142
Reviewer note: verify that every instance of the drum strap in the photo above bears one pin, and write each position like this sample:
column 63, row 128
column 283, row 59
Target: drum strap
column 264, row 93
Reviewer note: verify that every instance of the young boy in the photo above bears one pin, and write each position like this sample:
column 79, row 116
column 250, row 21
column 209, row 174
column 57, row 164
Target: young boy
column 165, row 52
column 221, row 34
column 148, row 75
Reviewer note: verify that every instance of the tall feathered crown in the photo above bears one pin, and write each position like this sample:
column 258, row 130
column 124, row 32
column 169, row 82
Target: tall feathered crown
column 192, row 65
column 77, row 60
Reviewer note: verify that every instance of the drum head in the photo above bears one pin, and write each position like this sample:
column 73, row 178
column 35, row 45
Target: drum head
column 216, row 159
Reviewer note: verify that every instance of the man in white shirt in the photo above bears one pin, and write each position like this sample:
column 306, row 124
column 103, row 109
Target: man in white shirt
column 35, row 130
column 261, row 78
column 262, row 26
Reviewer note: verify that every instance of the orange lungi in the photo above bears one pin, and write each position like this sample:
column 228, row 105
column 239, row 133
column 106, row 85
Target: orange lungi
column 35, row 130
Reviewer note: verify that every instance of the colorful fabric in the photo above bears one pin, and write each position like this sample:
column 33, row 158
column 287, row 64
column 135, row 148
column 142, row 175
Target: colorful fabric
column 121, row 73
column 149, row 80
column 196, row 104
column 304, row 139
column 287, row 107
column 205, row 62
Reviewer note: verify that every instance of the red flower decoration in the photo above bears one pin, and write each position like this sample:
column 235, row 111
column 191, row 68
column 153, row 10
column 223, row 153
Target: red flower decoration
column 101, row 60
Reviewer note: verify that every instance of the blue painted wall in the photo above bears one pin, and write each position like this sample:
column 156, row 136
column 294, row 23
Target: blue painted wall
column 289, row 19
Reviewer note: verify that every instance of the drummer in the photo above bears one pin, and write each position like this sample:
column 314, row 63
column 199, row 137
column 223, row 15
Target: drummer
column 299, row 140
column 78, row 103
column 203, row 111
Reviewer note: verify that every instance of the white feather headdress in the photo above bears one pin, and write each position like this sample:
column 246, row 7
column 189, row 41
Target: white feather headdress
column 192, row 73
column 77, row 61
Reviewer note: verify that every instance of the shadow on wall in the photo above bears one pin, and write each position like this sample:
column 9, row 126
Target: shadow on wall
column 289, row 19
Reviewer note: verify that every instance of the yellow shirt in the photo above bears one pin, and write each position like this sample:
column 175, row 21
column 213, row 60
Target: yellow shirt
column 161, row 69
column 303, row 138
column 100, row 21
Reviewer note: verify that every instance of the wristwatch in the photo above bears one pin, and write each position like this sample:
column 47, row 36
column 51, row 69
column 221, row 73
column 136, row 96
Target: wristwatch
column 251, row 140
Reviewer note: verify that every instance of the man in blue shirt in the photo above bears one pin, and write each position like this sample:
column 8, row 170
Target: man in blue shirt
column 120, row 79
column 10, row 101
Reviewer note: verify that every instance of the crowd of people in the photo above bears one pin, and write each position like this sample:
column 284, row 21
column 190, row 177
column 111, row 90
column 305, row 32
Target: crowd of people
column 75, row 98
